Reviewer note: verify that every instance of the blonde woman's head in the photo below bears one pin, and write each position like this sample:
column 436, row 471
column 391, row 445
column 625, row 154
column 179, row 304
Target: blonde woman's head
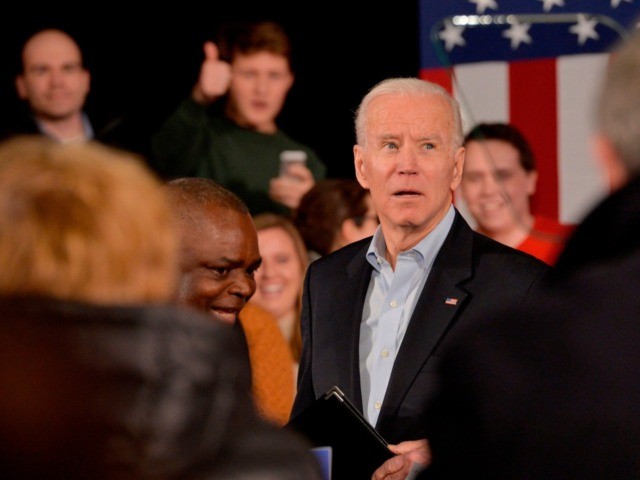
column 83, row 222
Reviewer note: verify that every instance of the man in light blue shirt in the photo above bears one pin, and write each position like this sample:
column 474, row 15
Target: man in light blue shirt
column 376, row 312
column 390, row 301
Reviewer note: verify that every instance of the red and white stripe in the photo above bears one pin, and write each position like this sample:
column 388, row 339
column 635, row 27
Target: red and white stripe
column 551, row 101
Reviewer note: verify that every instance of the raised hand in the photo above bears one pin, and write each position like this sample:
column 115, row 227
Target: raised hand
column 215, row 76
column 289, row 189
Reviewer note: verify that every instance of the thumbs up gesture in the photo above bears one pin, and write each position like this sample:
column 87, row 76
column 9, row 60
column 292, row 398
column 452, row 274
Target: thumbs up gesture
column 215, row 76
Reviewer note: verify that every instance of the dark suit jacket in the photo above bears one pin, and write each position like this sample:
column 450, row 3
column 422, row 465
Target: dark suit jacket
column 553, row 391
column 477, row 271
column 125, row 132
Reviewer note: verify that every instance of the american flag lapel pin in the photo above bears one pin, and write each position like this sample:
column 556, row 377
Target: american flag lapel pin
column 451, row 301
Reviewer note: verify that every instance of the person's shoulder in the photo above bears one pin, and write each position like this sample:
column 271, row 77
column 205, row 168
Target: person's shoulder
column 506, row 257
column 21, row 124
column 157, row 316
column 345, row 254
column 338, row 263
column 552, row 226
column 260, row 326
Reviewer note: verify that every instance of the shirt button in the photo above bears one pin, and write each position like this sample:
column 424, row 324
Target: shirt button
column 385, row 353
column 393, row 303
column 379, row 260
column 378, row 405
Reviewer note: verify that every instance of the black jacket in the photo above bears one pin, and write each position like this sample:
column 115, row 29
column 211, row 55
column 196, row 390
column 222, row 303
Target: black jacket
column 479, row 273
column 552, row 391
column 131, row 392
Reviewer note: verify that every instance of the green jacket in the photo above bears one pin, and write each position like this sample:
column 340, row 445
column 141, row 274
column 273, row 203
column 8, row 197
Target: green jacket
column 196, row 142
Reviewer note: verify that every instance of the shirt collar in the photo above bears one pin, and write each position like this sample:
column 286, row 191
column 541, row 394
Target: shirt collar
column 425, row 250
column 86, row 126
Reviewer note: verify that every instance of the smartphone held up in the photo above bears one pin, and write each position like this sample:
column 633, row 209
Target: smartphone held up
column 291, row 157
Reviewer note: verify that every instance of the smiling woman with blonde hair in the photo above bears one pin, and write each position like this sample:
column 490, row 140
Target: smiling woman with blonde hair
column 280, row 277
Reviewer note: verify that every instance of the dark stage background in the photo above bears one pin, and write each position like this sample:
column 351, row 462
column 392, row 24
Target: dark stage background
column 142, row 65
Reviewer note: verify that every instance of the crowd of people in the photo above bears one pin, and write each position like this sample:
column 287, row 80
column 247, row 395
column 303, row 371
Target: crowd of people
column 227, row 128
column 103, row 375
column 170, row 305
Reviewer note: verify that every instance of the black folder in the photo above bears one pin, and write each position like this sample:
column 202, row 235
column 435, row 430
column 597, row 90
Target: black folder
column 332, row 420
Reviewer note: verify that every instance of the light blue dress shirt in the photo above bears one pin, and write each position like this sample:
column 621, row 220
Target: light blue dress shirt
column 86, row 125
column 388, row 306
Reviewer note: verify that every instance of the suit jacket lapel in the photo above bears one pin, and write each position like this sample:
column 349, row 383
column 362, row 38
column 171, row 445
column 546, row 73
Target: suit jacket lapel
column 350, row 296
column 433, row 313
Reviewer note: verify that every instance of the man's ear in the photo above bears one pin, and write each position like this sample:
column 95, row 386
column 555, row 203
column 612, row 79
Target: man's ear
column 358, row 161
column 291, row 79
column 458, row 168
column 21, row 87
column 613, row 170
column 532, row 182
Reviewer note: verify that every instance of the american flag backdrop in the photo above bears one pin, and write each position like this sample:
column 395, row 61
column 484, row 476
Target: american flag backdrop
column 538, row 65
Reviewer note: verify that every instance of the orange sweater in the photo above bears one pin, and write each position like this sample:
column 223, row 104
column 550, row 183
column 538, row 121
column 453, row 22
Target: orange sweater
column 271, row 364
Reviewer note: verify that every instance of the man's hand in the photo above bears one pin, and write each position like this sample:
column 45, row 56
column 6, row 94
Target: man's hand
column 215, row 76
column 410, row 457
column 288, row 189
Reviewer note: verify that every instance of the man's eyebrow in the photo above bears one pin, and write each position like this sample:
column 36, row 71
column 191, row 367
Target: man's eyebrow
column 220, row 262
column 234, row 262
column 435, row 137
column 41, row 66
column 231, row 261
column 387, row 136
column 257, row 263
